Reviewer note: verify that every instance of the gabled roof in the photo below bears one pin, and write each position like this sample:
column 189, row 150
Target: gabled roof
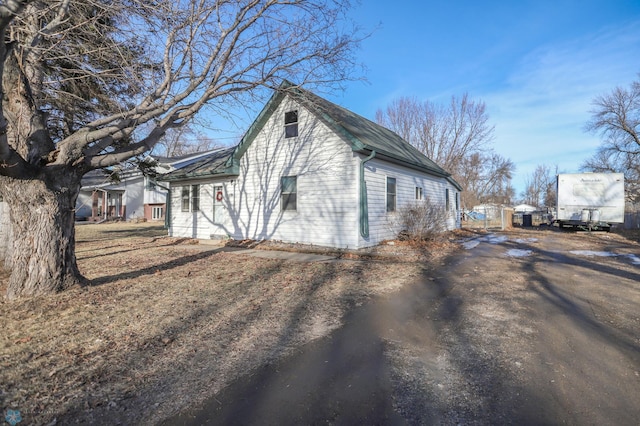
column 363, row 136
column 100, row 178
column 214, row 163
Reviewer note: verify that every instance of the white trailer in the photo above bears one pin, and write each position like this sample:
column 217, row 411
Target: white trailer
column 590, row 200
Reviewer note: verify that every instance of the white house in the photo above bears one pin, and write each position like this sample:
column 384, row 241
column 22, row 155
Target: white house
column 132, row 196
column 307, row 171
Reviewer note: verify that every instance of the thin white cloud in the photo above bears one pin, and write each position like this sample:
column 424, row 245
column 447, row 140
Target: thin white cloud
column 541, row 111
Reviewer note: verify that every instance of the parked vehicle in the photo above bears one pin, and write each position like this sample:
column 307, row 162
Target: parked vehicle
column 590, row 200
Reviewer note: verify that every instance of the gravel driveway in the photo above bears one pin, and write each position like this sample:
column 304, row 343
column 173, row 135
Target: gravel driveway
column 526, row 327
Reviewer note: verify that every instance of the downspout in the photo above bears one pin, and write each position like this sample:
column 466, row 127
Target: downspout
column 364, row 205
column 167, row 203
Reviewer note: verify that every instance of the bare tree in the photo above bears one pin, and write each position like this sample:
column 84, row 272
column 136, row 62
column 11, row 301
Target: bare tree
column 540, row 187
column 616, row 117
column 486, row 179
column 608, row 161
column 88, row 84
column 457, row 136
column 445, row 134
column 184, row 140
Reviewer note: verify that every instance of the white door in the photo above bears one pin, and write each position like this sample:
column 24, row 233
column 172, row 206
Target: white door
column 221, row 221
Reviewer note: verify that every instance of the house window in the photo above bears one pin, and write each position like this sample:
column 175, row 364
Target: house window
column 291, row 124
column 446, row 199
column 185, row 199
column 391, row 194
column 190, row 198
column 457, row 201
column 289, row 188
column 195, row 198
column 418, row 193
column 156, row 213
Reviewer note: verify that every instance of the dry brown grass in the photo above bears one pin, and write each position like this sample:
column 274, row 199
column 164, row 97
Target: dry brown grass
column 167, row 323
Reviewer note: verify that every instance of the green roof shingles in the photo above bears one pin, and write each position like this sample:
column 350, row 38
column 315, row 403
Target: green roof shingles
column 211, row 164
column 362, row 134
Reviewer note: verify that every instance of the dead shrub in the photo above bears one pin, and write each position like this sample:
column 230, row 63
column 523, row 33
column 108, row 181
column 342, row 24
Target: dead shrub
column 421, row 221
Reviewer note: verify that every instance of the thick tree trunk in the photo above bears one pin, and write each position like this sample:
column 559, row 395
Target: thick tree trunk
column 42, row 217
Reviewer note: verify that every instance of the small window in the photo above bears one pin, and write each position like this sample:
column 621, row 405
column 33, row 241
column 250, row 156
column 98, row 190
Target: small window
column 457, row 201
column 157, row 212
column 391, row 194
column 289, row 188
column 291, row 124
column 418, row 193
column 185, row 198
column 446, row 199
column 195, row 198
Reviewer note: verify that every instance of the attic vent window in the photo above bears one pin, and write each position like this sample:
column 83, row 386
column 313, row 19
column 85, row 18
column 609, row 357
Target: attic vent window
column 291, row 124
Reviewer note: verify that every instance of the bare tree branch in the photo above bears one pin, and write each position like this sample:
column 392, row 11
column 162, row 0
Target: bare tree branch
column 616, row 117
column 457, row 138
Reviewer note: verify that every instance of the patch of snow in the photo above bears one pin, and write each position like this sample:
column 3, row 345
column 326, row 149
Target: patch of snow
column 470, row 244
column 495, row 239
column 634, row 259
column 526, row 240
column 593, row 253
column 491, row 239
column 518, row 253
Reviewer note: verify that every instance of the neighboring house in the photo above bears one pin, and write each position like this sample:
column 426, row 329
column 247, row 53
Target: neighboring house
column 524, row 208
column 307, row 171
column 133, row 196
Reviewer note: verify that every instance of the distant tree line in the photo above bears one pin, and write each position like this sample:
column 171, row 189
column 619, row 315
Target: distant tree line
column 456, row 136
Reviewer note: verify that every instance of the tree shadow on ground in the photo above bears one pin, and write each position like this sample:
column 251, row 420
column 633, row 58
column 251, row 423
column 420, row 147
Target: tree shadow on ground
column 171, row 264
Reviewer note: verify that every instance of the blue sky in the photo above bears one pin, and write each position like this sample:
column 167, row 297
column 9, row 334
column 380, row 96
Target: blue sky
column 536, row 64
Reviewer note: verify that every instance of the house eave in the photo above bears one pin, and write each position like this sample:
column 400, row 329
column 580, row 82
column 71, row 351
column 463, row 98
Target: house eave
column 402, row 162
column 229, row 172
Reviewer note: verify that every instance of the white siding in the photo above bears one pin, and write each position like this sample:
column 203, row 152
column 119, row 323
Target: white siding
column 154, row 195
column 84, row 204
column 196, row 224
column 327, row 203
column 382, row 224
column 133, row 197
column 325, row 167
column 327, row 172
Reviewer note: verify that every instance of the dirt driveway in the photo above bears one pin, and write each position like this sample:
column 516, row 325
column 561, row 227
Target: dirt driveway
column 527, row 327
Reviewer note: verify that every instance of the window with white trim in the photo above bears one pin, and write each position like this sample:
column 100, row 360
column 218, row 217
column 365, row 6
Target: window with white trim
column 418, row 193
column 157, row 212
column 289, row 193
column 195, row 198
column 185, row 201
column 291, row 124
column 190, row 199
